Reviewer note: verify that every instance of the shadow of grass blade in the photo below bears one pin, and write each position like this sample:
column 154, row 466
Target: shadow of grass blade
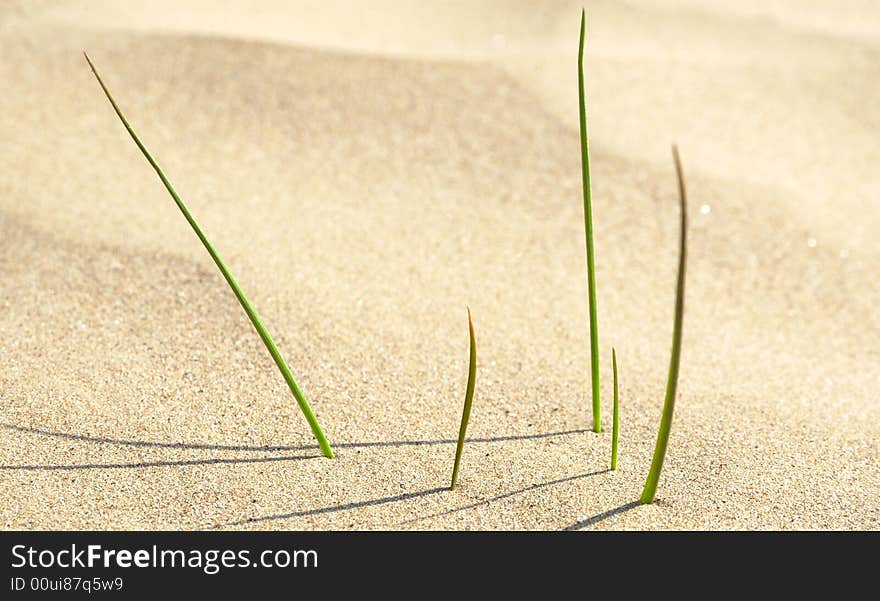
column 239, row 294
column 650, row 489
column 468, row 401
column 615, row 429
column 588, row 232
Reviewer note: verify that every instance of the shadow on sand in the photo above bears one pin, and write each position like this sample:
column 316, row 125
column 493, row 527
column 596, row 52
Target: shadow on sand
column 117, row 466
column 243, row 448
column 507, row 495
column 406, row 497
column 334, row 508
column 344, row 445
column 602, row 516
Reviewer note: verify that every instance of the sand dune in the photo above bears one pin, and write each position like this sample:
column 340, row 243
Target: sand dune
column 369, row 172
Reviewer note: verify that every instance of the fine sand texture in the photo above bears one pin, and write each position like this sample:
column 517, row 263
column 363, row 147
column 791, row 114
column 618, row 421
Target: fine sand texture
column 368, row 170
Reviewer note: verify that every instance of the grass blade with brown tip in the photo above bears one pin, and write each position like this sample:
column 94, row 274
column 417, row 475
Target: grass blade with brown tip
column 615, row 429
column 236, row 289
column 468, row 401
column 588, row 233
column 650, row 489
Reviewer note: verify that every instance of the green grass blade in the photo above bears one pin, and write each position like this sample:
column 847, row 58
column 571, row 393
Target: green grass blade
column 468, row 401
column 615, row 430
column 588, row 231
column 650, row 489
column 239, row 294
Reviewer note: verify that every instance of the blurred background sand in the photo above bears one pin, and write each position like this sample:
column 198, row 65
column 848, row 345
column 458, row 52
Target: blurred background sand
column 367, row 170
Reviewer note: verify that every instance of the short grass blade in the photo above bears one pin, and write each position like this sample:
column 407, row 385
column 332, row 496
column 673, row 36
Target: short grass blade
column 468, row 401
column 615, row 431
column 650, row 489
column 236, row 289
column 588, row 231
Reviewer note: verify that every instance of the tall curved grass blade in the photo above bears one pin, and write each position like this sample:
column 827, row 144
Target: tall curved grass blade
column 588, row 232
column 468, row 401
column 615, row 429
column 650, row 489
column 236, row 289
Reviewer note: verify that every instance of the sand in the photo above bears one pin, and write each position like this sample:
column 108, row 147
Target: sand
column 368, row 171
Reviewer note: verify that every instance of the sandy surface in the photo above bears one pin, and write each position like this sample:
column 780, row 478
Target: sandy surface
column 367, row 172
